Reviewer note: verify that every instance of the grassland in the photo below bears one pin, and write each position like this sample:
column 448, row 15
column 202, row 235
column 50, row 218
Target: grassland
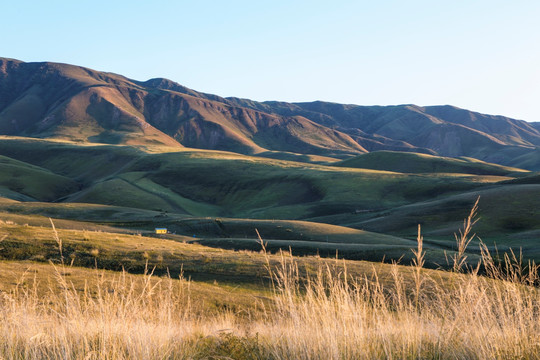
column 101, row 285
column 219, row 198
column 184, row 180
column 304, row 308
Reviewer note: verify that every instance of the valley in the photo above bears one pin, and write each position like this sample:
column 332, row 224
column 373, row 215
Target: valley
column 272, row 211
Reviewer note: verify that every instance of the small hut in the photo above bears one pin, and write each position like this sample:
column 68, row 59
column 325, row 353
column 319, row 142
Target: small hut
column 161, row 230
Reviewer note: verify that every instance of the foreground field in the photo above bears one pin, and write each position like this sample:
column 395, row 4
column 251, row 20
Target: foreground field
column 264, row 306
column 330, row 314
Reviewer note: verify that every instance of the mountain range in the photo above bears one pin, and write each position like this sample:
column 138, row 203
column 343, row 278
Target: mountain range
column 90, row 148
column 60, row 101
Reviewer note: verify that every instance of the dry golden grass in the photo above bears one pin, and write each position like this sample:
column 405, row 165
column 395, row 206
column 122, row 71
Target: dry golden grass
column 336, row 317
column 329, row 314
column 116, row 319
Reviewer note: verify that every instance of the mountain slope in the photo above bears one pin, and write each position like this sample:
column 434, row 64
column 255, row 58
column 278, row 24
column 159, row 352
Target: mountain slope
column 50, row 100
column 442, row 130
column 75, row 103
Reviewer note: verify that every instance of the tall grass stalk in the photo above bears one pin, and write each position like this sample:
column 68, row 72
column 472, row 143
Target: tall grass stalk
column 418, row 263
column 464, row 238
column 58, row 241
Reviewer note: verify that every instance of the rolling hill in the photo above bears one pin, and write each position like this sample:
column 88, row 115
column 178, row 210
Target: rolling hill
column 213, row 183
column 416, row 163
column 219, row 198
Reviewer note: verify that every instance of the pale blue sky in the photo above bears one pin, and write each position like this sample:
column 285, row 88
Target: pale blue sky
column 479, row 55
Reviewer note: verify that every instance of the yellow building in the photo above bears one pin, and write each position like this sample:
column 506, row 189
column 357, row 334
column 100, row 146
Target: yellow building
column 161, row 230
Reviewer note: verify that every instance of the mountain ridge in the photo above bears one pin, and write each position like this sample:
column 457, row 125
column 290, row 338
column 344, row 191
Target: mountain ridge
column 53, row 100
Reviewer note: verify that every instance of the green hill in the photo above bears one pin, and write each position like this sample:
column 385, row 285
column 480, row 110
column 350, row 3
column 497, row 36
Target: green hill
column 210, row 183
column 221, row 197
column 508, row 217
column 19, row 180
column 414, row 163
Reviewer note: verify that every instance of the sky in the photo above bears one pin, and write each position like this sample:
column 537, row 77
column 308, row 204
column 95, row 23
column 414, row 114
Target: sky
column 479, row 55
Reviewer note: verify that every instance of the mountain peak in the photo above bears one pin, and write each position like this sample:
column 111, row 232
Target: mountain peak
column 164, row 84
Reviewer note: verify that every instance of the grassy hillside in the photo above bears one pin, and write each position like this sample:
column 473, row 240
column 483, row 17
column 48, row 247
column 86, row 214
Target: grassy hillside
column 507, row 218
column 203, row 183
column 168, row 254
column 306, row 158
column 26, row 182
column 199, row 192
column 415, row 163
column 261, row 188
column 84, row 163
column 303, row 238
